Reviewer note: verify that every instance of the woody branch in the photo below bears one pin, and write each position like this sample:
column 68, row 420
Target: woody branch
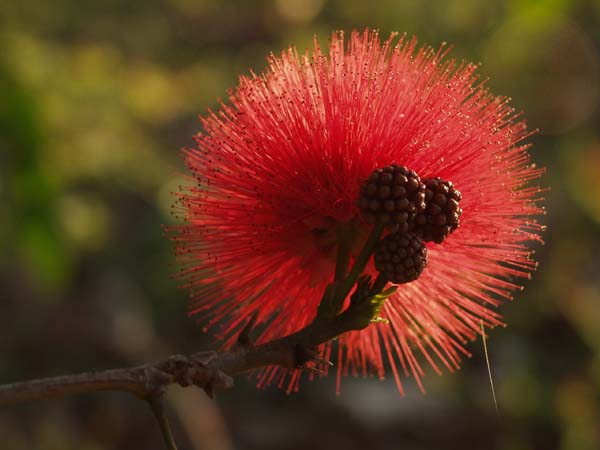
column 212, row 370
column 207, row 370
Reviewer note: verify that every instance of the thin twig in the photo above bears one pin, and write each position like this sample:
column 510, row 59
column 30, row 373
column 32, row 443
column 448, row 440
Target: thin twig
column 128, row 380
column 487, row 360
column 156, row 403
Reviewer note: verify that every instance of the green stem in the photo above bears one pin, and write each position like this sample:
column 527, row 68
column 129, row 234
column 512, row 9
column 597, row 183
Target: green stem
column 344, row 235
column 360, row 262
column 157, row 406
column 378, row 285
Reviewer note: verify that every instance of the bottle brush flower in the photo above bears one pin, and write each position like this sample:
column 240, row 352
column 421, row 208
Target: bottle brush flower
column 309, row 160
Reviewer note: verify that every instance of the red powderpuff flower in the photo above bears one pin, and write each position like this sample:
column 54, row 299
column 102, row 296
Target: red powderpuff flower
column 279, row 168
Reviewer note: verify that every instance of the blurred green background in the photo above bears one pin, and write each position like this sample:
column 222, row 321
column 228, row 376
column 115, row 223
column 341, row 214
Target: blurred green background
column 97, row 98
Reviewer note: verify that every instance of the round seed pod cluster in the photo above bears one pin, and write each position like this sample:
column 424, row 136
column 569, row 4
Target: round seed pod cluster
column 442, row 214
column 401, row 257
column 414, row 211
column 392, row 195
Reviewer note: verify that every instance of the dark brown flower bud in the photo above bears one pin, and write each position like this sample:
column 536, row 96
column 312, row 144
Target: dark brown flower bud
column 401, row 257
column 393, row 195
column 442, row 215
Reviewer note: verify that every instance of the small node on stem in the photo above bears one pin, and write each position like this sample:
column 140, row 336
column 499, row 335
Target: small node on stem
column 367, row 301
column 378, row 285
